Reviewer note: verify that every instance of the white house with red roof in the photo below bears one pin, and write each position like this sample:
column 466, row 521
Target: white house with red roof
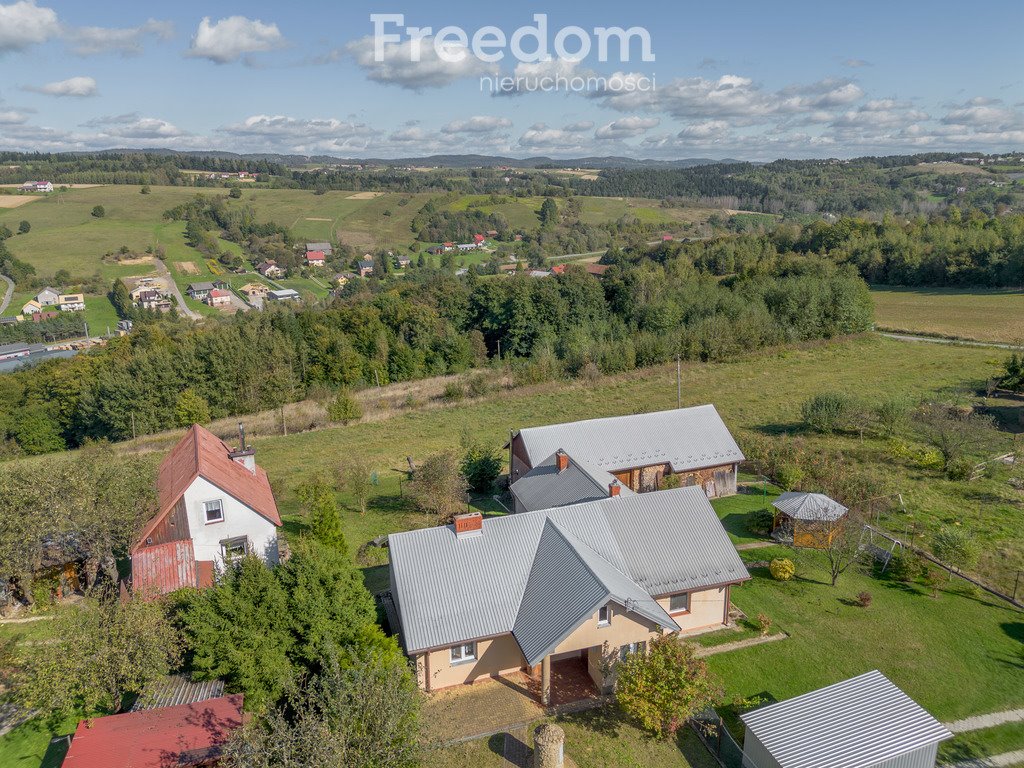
column 218, row 297
column 316, row 258
column 215, row 504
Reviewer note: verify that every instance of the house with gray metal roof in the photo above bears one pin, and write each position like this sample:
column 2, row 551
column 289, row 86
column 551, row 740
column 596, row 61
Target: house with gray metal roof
column 863, row 722
column 584, row 584
column 561, row 480
column 640, row 449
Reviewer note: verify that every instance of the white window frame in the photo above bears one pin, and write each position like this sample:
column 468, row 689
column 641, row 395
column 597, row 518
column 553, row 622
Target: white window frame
column 686, row 609
column 627, row 650
column 206, row 511
column 226, row 555
column 464, row 653
column 607, row 620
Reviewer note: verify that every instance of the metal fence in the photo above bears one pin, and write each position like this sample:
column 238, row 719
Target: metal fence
column 711, row 730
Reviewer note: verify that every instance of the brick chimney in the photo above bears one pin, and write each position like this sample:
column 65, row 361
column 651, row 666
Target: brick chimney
column 469, row 525
column 561, row 460
column 614, row 487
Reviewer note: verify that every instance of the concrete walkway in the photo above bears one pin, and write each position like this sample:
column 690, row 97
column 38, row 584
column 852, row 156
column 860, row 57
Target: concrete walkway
column 996, row 761
column 756, row 545
column 978, row 722
column 711, row 650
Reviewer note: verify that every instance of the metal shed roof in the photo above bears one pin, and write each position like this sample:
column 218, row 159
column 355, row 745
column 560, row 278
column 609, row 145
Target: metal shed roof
column 544, row 487
column 853, row 724
column 809, row 506
column 451, row 590
column 685, row 438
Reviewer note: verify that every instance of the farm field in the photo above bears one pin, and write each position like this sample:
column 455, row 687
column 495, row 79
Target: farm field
column 978, row 315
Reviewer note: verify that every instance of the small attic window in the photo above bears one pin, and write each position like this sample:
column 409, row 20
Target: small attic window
column 604, row 616
column 213, row 511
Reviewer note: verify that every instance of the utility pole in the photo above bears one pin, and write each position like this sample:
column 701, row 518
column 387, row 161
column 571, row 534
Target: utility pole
column 679, row 381
column 499, row 350
column 133, row 425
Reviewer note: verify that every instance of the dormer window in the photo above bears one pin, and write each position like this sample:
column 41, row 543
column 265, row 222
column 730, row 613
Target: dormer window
column 213, row 511
column 604, row 616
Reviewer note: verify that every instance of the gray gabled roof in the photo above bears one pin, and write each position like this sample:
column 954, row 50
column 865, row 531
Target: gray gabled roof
column 325, row 247
column 859, row 722
column 685, row 438
column 544, row 487
column 816, row 507
column 200, row 287
column 632, row 548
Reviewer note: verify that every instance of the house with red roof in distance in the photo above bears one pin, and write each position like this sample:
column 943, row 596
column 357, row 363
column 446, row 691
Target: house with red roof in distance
column 478, row 240
column 184, row 736
column 666, row 238
column 449, row 246
column 215, row 504
column 218, row 297
column 316, row 259
column 597, row 270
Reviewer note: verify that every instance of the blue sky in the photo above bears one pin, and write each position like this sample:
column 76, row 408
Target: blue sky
column 745, row 80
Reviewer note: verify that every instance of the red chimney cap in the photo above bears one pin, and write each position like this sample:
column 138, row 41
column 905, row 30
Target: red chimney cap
column 561, row 460
column 614, row 487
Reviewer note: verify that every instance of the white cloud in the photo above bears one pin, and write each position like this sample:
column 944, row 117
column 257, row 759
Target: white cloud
column 87, row 41
column 540, row 136
column 23, row 24
column 477, row 124
column 705, row 129
column 580, row 126
column 856, row 63
column 12, row 117
column 73, row 86
column 397, row 66
column 229, row 39
column 132, row 126
column 626, row 128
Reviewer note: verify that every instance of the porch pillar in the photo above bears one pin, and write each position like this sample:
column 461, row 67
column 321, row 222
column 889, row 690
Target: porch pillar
column 545, row 681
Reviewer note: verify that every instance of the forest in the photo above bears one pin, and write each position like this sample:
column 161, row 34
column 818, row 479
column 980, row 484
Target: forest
column 645, row 311
column 954, row 249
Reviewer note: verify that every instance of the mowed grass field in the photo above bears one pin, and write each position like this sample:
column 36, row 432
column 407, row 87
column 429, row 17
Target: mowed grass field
column 978, row 315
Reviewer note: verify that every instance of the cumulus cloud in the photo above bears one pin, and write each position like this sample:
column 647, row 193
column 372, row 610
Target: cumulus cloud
column 626, row 128
column 397, row 65
column 12, row 117
column 133, row 126
column 705, row 129
column 477, row 124
column 87, row 41
column 227, row 40
column 23, row 24
column 73, row 86
column 580, row 126
column 856, row 63
column 540, row 136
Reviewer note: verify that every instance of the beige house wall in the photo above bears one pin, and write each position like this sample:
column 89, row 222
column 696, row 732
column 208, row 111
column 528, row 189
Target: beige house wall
column 623, row 629
column 707, row 608
column 496, row 656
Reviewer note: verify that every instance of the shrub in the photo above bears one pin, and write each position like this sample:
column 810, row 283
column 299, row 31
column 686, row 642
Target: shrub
column 827, row 412
column 904, row 567
column 759, row 521
column 864, row 599
column 782, row 569
column 960, row 470
column 892, row 414
column 955, row 547
column 344, row 408
column 480, row 385
column 670, row 481
column 764, row 624
column 98, row 211
column 789, row 476
column 453, row 392
column 481, row 466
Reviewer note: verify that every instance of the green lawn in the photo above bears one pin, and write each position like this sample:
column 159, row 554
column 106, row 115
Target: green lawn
column 981, row 315
column 987, row 742
column 595, row 739
column 732, row 510
column 957, row 655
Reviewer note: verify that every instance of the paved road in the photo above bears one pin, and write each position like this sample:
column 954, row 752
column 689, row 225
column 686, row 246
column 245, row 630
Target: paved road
column 161, row 269
column 934, row 340
column 7, row 294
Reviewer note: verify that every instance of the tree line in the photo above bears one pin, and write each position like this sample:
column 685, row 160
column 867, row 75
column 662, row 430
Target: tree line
column 650, row 307
column 957, row 248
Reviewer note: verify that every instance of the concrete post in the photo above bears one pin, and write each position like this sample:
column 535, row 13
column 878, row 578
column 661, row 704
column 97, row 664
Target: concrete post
column 545, row 681
column 548, row 746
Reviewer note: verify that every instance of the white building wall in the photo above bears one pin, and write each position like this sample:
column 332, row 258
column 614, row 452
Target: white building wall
column 755, row 755
column 239, row 521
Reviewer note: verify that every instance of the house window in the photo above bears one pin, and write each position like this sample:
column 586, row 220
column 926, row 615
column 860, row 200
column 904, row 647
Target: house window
column 604, row 616
column 679, row 603
column 463, row 653
column 630, row 648
column 234, row 548
column 213, row 511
